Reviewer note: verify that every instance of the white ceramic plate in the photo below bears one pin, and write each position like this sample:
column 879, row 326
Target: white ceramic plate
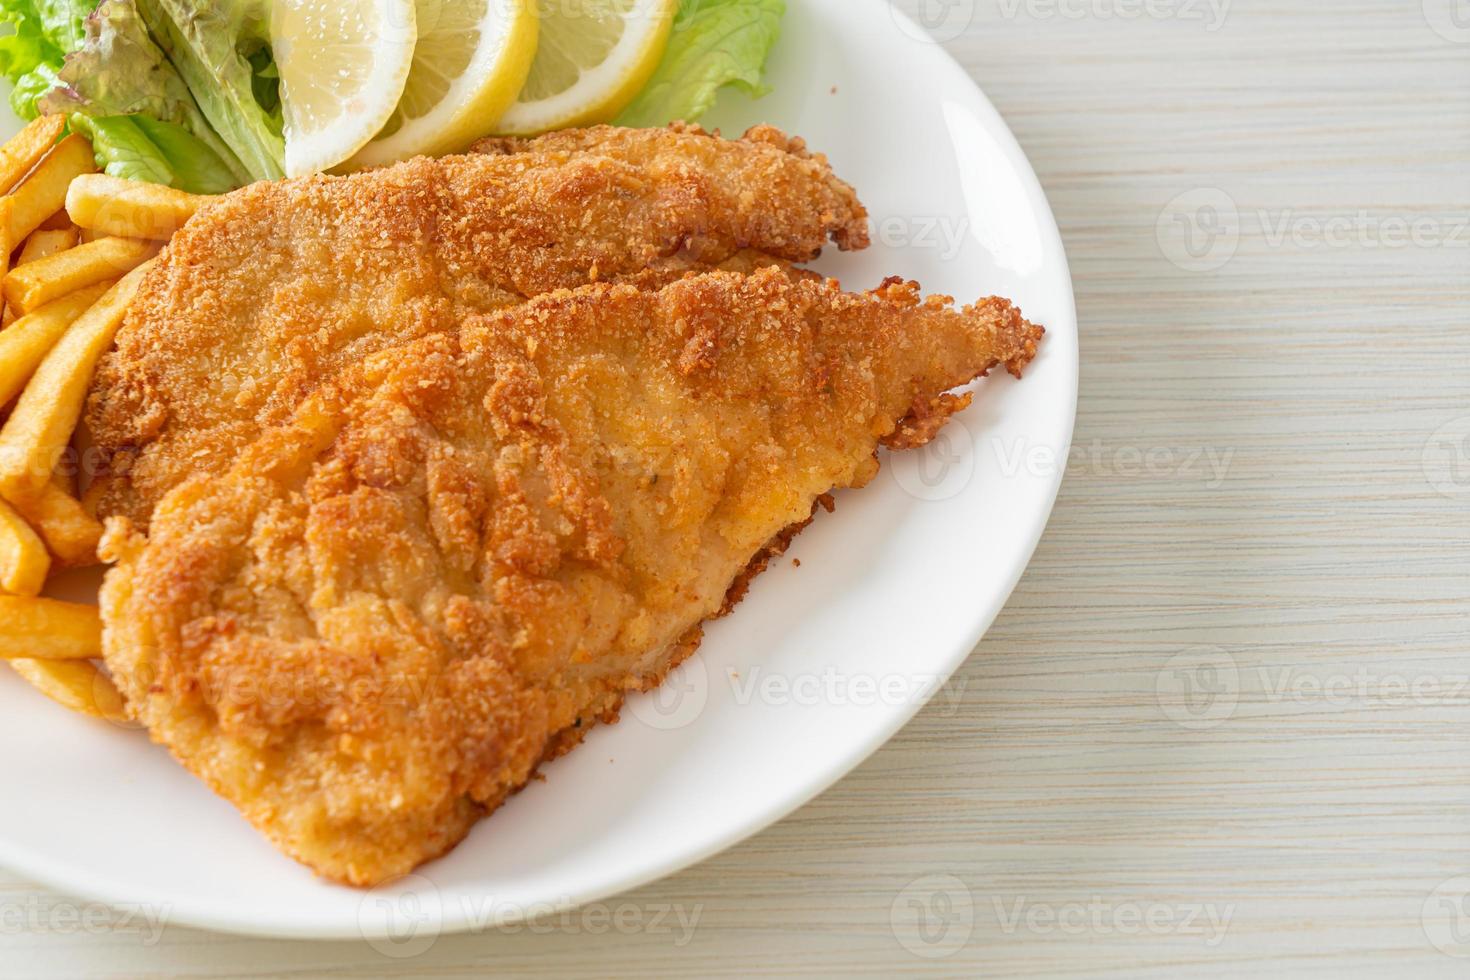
column 814, row 671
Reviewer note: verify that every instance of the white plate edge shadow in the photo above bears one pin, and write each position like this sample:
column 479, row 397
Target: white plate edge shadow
column 1061, row 342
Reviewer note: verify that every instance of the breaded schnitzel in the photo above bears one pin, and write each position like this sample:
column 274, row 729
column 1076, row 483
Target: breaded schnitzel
column 279, row 286
column 456, row 559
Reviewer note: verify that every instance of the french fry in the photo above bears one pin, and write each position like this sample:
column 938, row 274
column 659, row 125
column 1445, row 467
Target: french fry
column 7, row 317
column 25, row 343
column 130, row 208
column 41, row 425
column 65, row 476
column 28, row 286
column 69, row 531
column 45, row 242
column 23, row 150
column 44, row 190
column 45, row 629
column 59, row 221
column 74, row 684
column 24, row 561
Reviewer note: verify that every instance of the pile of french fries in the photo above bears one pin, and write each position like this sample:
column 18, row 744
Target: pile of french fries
column 74, row 245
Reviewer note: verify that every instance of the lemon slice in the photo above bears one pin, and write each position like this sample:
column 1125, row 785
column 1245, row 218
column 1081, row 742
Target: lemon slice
column 593, row 58
column 470, row 62
column 343, row 64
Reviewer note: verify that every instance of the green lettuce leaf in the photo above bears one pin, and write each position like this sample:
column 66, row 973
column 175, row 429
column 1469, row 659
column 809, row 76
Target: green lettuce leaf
column 29, row 87
column 211, row 43
column 714, row 43
column 118, row 73
column 197, row 168
column 143, row 148
column 32, row 53
column 65, row 20
column 105, row 71
column 124, row 150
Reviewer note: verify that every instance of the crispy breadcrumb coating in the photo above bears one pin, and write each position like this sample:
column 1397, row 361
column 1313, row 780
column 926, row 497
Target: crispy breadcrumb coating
column 281, row 285
column 467, row 550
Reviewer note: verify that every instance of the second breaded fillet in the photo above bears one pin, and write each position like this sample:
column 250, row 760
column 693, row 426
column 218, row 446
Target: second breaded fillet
column 449, row 566
column 279, row 286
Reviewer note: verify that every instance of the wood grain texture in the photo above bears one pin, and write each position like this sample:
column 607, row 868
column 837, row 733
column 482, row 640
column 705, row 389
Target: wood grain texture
column 1221, row 728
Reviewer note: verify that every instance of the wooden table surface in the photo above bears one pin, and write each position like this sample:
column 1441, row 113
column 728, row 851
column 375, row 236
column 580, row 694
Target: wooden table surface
column 1223, row 726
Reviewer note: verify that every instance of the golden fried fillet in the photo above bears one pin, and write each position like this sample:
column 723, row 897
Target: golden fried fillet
column 279, row 286
column 458, row 558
